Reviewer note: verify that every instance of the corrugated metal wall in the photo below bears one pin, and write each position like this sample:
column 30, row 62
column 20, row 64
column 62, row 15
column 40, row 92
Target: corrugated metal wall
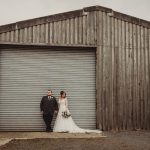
column 123, row 62
column 27, row 74
column 123, row 74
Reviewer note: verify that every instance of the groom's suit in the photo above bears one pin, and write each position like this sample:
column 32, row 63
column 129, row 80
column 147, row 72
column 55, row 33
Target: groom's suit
column 48, row 105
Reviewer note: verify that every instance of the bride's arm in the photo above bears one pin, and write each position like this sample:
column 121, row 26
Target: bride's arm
column 66, row 103
column 67, row 109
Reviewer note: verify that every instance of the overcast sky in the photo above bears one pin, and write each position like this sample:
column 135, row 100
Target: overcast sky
column 16, row 10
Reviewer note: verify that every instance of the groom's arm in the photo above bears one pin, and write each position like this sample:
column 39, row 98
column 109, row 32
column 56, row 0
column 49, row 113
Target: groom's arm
column 41, row 104
column 56, row 105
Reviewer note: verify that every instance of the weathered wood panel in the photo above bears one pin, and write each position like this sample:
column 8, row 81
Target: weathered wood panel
column 79, row 30
column 123, row 74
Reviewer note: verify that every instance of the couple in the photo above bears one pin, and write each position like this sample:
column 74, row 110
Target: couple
column 64, row 121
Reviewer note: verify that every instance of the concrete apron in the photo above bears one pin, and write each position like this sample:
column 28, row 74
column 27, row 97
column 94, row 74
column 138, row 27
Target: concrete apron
column 6, row 137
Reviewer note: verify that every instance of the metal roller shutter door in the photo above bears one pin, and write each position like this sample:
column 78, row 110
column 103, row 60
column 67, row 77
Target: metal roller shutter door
column 25, row 76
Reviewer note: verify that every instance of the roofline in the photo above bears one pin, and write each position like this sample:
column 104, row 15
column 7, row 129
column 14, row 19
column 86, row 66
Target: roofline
column 5, row 45
column 72, row 14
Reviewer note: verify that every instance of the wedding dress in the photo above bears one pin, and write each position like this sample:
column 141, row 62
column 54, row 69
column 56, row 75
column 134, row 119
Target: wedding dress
column 67, row 124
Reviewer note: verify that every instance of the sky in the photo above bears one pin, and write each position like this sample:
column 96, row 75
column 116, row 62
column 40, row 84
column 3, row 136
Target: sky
column 17, row 10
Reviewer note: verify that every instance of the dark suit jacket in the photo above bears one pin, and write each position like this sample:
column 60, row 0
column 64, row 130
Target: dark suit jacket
column 48, row 106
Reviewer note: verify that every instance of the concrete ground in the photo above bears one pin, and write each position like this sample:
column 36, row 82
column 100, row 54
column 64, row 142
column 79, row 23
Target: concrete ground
column 127, row 140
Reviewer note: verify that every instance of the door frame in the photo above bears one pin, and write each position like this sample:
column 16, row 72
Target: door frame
column 9, row 45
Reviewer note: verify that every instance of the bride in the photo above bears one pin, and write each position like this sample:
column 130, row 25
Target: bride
column 65, row 123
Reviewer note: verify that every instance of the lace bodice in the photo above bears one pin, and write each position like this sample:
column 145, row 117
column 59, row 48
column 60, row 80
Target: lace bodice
column 63, row 104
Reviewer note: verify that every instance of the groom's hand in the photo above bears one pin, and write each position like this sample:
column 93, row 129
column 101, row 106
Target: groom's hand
column 56, row 111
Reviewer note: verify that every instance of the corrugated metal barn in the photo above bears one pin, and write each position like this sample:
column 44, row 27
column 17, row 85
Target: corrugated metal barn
column 99, row 56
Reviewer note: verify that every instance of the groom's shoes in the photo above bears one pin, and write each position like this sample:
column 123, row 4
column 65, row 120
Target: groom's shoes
column 49, row 130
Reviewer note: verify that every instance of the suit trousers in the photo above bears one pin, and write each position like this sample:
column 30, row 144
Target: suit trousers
column 48, row 119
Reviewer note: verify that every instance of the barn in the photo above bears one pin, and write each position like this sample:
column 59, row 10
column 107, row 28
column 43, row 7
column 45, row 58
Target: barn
column 100, row 57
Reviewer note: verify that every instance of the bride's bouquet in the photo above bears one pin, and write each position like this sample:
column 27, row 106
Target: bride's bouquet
column 66, row 114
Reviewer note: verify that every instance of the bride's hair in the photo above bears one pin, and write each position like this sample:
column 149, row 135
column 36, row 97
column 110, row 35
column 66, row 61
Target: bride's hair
column 62, row 92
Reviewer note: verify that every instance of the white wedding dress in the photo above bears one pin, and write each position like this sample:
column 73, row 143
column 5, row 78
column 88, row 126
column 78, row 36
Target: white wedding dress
column 67, row 124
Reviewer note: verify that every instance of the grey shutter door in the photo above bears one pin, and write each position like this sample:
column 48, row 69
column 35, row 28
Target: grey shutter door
column 25, row 76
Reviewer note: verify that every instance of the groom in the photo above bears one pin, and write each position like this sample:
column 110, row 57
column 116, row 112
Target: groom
column 48, row 106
